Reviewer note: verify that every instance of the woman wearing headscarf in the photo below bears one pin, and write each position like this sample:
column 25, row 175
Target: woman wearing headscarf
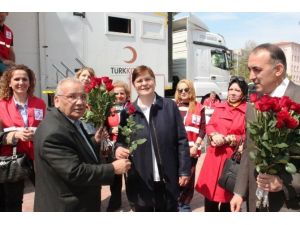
column 225, row 130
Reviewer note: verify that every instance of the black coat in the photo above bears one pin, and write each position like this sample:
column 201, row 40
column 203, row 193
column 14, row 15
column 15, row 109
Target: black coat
column 68, row 177
column 167, row 133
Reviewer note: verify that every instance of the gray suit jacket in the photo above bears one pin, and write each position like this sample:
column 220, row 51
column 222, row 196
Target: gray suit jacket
column 287, row 200
column 68, row 177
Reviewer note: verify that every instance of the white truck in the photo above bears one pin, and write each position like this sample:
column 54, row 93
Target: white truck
column 54, row 45
column 201, row 56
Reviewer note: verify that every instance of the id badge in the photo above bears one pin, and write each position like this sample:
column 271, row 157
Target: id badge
column 38, row 114
column 196, row 119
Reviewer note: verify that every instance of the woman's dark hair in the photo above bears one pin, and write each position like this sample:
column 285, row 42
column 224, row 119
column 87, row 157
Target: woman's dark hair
column 141, row 70
column 242, row 84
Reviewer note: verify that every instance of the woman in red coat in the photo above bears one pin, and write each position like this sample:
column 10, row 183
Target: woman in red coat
column 225, row 130
column 20, row 114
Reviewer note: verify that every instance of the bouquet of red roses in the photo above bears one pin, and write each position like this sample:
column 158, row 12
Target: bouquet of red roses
column 276, row 134
column 99, row 100
column 130, row 129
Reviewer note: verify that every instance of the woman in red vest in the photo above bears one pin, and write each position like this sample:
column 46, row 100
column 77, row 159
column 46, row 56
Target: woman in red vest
column 225, row 130
column 122, row 91
column 7, row 54
column 20, row 114
column 193, row 116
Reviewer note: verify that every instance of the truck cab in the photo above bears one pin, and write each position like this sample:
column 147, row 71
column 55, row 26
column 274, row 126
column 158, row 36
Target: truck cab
column 201, row 56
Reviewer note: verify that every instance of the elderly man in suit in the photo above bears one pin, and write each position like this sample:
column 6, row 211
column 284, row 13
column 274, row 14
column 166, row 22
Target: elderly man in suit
column 267, row 66
column 68, row 171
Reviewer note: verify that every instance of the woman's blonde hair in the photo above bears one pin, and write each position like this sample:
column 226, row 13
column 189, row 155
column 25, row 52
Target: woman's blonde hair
column 6, row 92
column 89, row 69
column 122, row 84
column 192, row 94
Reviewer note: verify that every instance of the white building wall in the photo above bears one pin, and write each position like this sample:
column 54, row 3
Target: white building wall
column 292, row 53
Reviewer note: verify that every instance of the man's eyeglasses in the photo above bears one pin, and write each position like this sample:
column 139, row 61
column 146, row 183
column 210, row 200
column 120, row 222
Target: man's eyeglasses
column 186, row 90
column 239, row 78
column 74, row 98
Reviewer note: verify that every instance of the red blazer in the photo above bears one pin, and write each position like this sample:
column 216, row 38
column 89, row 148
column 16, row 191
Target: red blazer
column 11, row 119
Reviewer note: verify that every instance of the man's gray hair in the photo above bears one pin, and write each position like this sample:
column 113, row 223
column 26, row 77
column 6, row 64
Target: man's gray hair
column 61, row 83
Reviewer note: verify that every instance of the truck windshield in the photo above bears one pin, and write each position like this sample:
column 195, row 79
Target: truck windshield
column 218, row 59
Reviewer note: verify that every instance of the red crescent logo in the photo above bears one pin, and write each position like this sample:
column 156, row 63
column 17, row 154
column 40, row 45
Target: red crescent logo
column 134, row 54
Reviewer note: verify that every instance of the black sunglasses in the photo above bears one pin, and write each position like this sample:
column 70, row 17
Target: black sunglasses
column 184, row 89
column 239, row 78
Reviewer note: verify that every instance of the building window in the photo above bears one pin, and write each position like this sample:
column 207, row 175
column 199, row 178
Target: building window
column 152, row 29
column 119, row 25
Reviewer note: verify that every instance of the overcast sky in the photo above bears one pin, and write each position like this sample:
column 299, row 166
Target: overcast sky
column 238, row 28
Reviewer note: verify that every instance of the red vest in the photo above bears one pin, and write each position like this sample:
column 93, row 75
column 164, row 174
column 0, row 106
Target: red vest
column 192, row 124
column 6, row 39
column 11, row 119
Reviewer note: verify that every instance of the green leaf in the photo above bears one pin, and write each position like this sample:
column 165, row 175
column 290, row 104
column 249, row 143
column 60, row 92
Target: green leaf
column 272, row 124
column 252, row 155
column 284, row 160
column 266, row 145
column 141, row 141
column 263, row 153
column 272, row 171
column 281, row 145
column 290, row 168
column 252, row 131
column 265, row 136
column 127, row 140
column 257, row 168
column 133, row 146
column 139, row 126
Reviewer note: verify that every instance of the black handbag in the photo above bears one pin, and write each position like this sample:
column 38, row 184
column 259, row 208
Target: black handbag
column 230, row 169
column 13, row 168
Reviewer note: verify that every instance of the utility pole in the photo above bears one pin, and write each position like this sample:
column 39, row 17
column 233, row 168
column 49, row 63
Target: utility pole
column 170, row 46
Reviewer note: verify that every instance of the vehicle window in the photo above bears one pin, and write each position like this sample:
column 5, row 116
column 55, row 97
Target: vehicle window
column 218, row 59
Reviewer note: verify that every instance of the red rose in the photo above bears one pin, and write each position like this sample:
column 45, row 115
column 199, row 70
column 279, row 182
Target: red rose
column 281, row 118
column 295, row 107
column 109, row 86
column 108, row 83
column 264, row 103
column 275, row 104
column 253, row 97
column 131, row 109
column 292, row 123
column 88, row 88
column 279, row 123
column 95, row 82
column 285, row 102
column 285, row 119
